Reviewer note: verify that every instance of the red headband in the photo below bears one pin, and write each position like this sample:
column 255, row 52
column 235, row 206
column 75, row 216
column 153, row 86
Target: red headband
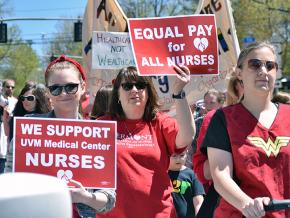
column 64, row 58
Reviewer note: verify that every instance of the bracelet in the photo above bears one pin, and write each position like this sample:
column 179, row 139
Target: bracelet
column 180, row 95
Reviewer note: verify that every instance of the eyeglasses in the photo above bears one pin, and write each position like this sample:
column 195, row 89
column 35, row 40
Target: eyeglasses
column 9, row 87
column 256, row 64
column 127, row 86
column 70, row 88
column 28, row 98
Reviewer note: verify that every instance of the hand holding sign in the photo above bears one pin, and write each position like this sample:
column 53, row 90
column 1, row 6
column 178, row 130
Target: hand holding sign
column 182, row 78
column 68, row 149
column 78, row 191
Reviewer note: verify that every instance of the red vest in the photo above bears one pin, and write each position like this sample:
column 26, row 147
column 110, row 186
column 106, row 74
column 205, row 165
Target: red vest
column 261, row 157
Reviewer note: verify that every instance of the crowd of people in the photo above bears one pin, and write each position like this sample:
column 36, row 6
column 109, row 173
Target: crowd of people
column 226, row 156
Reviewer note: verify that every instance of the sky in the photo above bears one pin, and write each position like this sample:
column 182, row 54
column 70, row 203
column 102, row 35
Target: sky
column 39, row 31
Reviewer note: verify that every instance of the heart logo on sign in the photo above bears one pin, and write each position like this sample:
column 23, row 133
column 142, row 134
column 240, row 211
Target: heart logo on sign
column 200, row 43
column 64, row 175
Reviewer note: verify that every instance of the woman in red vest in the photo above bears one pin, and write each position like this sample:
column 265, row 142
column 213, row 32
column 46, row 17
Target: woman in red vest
column 248, row 143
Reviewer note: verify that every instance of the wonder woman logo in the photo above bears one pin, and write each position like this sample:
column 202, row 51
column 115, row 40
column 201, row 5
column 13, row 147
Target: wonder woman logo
column 270, row 146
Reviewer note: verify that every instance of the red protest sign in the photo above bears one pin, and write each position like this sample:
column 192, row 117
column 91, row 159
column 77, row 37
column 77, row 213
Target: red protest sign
column 81, row 150
column 159, row 43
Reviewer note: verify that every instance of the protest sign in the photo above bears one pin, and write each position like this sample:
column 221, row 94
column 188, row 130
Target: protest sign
column 68, row 149
column 100, row 15
column 111, row 50
column 228, row 48
column 160, row 43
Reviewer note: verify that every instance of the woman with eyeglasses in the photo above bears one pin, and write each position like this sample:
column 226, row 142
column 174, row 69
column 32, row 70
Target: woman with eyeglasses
column 146, row 139
column 65, row 80
column 248, row 143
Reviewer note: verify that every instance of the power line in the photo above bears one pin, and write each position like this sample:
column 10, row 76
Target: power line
column 34, row 42
column 52, row 9
column 38, row 18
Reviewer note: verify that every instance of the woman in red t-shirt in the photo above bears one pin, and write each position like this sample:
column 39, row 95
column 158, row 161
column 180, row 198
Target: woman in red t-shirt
column 146, row 139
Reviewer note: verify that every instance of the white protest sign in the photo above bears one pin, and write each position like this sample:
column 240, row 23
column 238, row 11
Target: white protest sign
column 111, row 50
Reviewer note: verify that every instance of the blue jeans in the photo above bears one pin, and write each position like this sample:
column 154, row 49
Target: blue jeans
column 2, row 165
column 86, row 211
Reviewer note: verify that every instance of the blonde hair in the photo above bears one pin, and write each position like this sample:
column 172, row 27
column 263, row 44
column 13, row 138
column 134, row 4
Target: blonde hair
column 232, row 92
column 281, row 97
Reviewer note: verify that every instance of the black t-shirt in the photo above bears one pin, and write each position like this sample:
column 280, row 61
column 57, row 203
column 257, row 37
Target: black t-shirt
column 185, row 187
column 217, row 135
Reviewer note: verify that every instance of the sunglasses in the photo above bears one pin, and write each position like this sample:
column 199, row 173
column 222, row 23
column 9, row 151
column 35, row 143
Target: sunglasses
column 256, row 64
column 70, row 88
column 28, row 98
column 9, row 87
column 127, row 86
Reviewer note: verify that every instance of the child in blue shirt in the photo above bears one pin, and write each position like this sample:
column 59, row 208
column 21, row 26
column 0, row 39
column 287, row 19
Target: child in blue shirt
column 187, row 190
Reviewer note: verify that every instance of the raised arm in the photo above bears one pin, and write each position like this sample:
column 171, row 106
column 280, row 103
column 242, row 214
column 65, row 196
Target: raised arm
column 183, row 113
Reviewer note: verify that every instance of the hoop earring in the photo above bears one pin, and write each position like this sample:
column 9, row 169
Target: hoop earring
column 119, row 102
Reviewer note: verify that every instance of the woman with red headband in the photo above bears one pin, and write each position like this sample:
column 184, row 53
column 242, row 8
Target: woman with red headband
column 65, row 80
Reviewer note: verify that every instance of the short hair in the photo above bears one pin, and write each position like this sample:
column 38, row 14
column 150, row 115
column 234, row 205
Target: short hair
column 6, row 80
column 219, row 95
column 130, row 74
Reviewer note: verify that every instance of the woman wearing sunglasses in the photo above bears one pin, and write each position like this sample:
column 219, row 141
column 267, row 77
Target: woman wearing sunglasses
column 146, row 139
column 248, row 143
column 28, row 103
column 65, row 80
column 33, row 99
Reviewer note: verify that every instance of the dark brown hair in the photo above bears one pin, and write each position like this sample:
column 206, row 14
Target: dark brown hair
column 102, row 101
column 42, row 101
column 129, row 74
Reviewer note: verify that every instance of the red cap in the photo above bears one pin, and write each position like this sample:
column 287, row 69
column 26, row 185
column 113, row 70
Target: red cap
column 65, row 58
